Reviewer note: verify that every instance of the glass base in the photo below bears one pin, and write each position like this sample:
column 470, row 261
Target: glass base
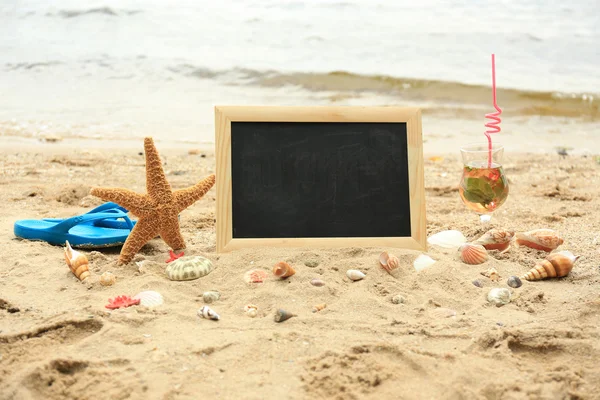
column 485, row 218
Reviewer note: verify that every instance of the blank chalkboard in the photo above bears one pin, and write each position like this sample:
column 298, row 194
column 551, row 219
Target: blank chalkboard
column 319, row 179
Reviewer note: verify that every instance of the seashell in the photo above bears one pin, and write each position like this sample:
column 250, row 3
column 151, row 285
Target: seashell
column 495, row 239
column 317, row 282
column 473, row 253
column 477, row 283
column 389, row 262
column 188, row 268
column 442, row 312
column 355, row 274
column 319, row 307
column 208, row 313
column 492, row 274
column 556, row 265
column 540, row 239
column 107, row 279
column 283, row 270
column 77, row 262
column 499, row 296
column 251, row 310
column 398, row 299
column 451, row 239
column 423, row 261
column 255, row 276
column 282, row 315
column 514, row 282
column 211, row 296
column 149, row 298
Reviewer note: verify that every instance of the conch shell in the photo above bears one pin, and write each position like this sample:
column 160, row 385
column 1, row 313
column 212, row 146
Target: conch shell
column 77, row 262
column 283, row 315
column 283, row 270
column 540, row 239
column 389, row 262
column 473, row 253
column 491, row 273
column 556, row 265
column 495, row 239
column 208, row 313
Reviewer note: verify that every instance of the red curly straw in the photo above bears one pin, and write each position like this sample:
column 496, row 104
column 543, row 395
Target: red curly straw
column 495, row 117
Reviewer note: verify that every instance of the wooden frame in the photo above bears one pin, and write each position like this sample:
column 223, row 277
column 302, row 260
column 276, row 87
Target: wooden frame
column 224, row 115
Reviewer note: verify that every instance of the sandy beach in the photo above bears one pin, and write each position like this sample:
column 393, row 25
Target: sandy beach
column 58, row 341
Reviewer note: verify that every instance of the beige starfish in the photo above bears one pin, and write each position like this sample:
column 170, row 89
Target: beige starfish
column 158, row 210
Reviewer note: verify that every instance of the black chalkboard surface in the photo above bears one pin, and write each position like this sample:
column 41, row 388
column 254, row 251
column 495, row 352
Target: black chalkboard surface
column 319, row 179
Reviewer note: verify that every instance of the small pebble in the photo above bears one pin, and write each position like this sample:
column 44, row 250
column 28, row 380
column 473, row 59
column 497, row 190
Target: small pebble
column 499, row 296
column 211, row 296
column 398, row 299
column 514, row 282
column 311, row 263
column 13, row 310
column 477, row 283
column 500, row 323
column 317, row 282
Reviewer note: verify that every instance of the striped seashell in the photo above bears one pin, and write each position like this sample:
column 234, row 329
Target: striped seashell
column 149, row 298
column 283, row 270
column 107, row 279
column 495, row 239
column 189, row 268
column 77, row 262
column 473, row 253
column 539, row 239
column 556, row 265
column 207, row 313
column 355, row 274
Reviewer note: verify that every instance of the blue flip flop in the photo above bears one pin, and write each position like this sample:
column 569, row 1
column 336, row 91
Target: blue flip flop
column 79, row 231
column 113, row 223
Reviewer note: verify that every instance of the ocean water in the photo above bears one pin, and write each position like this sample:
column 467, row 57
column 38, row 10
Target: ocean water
column 129, row 68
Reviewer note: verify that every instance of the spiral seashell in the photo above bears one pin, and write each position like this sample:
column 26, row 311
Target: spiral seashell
column 492, row 274
column 499, row 296
column 282, row 315
column 319, row 307
column 283, row 270
column 107, row 279
column 77, row 262
column 556, row 265
column 473, row 253
column 540, row 239
column 355, row 274
column 451, row 239
column 389, row 262
column 149, row 298
column 189, row 268
column 207, row 313
column 495, row 239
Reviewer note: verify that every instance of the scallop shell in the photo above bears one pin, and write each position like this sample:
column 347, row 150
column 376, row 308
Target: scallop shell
column 211, row 296
column 556, row 265
column 389, row 262
column 208, row 313
column 283, row 270
column 495, row 239
column 77, row 262
column 355, row 274
column 540, row 239
column 473, row 253
column 189, row 268
column 282, row 315
column 499, row 296
column 451, row 239
column 149, row 298
column 492, row 274
column 423, row 261
column 107, row 279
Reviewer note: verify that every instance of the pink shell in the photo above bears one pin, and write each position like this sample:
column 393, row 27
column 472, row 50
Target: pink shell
column 255, row 276
column 540, row 239
column 389, row 262
column 472, row 253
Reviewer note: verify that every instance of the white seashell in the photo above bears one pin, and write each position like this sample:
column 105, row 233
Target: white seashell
column 149, row 298
column 251, row 310
column 208, row 313
column 422, row 262
column 499, row 296
column 451, row 239
column 355, row 274
column 107, row 279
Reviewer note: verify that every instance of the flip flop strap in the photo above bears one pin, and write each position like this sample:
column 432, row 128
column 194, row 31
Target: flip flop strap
column 69, row 223
column 107, row 206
